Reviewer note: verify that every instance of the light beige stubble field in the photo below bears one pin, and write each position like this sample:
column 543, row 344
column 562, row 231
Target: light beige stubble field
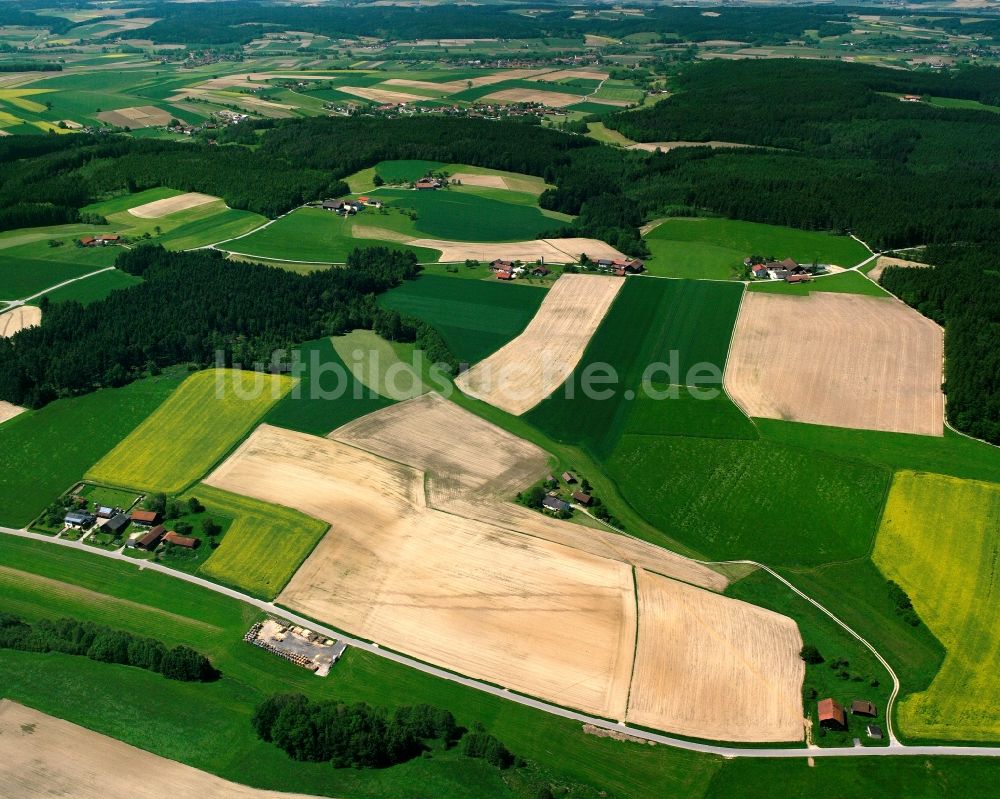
column 843, row 360
column 713, row 667
column 528, row 614
column 42, row 757
column 18, row 319
column 530, row 367
column 171, row 205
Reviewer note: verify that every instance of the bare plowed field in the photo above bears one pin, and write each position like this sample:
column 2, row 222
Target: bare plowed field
column 713, row 667
column 474, row 468
column 16, row 320
column 526, row 370
column 380, row 95
column 570, row 74
column 534, row 616
column 143, row 116
column 8, row 410
column 885, row 262
column 171, row 205
column 558, row 251
column 838, row 359
column 42, row 757
column 551, row 99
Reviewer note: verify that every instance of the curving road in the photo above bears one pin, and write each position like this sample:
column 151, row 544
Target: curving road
column 895, row 749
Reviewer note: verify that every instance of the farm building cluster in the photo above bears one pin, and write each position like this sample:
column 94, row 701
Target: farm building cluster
column 297, row 645
column 100, row 240
column 788, row 270
column 509, row 270
column 147, row 531
column 833, row 716
column 561, row 501
column 350, row 207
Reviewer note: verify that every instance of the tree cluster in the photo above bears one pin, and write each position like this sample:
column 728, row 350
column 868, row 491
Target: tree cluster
column 106, row 645
column 192, row 307
column 357, row 735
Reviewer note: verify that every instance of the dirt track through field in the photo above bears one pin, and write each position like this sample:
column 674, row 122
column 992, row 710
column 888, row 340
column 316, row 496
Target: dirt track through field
column 475, row 468
column 713, row 667
column 456, row 592
column 556, row 251
column 528, row 369
column 42, row 757
column 17, row 319
column 171, row 205
column 843, row 360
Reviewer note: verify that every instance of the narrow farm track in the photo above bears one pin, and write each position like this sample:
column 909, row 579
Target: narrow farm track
column 36, row 295
column 895, row 749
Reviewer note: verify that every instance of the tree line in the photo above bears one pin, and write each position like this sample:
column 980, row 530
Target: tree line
column 361, row 736
column 105, row 645
column 192, row 307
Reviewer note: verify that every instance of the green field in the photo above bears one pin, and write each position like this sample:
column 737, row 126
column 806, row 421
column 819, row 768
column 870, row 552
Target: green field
column 939, row 540
column 200, row 422
column 682, row 325
column 263, row 546
column 42, row 453
column 207, row 725
column 33, row 266
column 312, row 234
column 326, row 396
column 375, row 364
column 475, row 318
column 92, row 289
column 735, row 499
column 844, row 283
column 715, row 248
column 405, row 171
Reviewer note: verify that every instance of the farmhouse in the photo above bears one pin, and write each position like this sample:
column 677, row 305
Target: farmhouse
column 116, row 524
column 145, row 518
column 831, row 714
column 149, row 540
column 79, row 519
column 862, row 707
column 568, row 478
column 333, row 205
column 104, row 512
column 100, row 240
column 368, row 201
column 181, row 540
column 505, row 275
column 584, row 499
column 540, row 271
column 555, row 505
column 500, row 265
column 427, row 183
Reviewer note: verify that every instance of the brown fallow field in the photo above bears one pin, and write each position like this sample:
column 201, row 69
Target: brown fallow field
column 843, row 360
column 529, row 368
column 19, row 318
column 171, row 205
column 42, row 756
column 555, row 251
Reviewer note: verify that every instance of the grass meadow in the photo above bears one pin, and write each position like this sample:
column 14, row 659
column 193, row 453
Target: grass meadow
column 708, row 247
column 370, row 359
column 207, row 725
column 191, row 431
column 684, row 324
column 405, row 171
column 312, row 234
column 43, row 452
column 31, row 267
column 844, row 283
column 327, row 395
column 91, row 289
column 939, row 540
column 263, row 546
column 475, row 318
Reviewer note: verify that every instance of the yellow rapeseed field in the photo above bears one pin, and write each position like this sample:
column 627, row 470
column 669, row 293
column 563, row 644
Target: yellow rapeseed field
column 264, row 545
column 940, row 539
column 198, row 424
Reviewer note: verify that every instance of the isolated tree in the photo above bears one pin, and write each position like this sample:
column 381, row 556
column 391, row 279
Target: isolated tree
column 811, row 655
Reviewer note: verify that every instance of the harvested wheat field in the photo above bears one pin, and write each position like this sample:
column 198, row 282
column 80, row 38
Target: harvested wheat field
column 461, row 593
column 884, row 262
column 8, row 411
column 143, row 116
column 487, row 181
column 844, row 360
column 570, row 74
column 474, row 469
column 551, row 99
column 171, row 205
column 380, row 95
column 713, row 667
column 557, row 251
column 19, row 318
column 528, row 369
column 42, row 756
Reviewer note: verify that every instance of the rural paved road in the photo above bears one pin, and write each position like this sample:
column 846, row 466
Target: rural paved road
column 895, row 749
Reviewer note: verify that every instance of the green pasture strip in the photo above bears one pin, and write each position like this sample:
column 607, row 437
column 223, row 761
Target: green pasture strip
column 92, row 289
column 207, row 415
column 683, row 326
column 475, row 318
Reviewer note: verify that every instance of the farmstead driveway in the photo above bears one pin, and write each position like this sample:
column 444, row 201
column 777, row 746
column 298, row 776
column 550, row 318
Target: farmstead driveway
column 895, row 749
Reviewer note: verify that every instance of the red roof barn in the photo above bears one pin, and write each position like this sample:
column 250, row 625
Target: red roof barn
column 831, row 714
